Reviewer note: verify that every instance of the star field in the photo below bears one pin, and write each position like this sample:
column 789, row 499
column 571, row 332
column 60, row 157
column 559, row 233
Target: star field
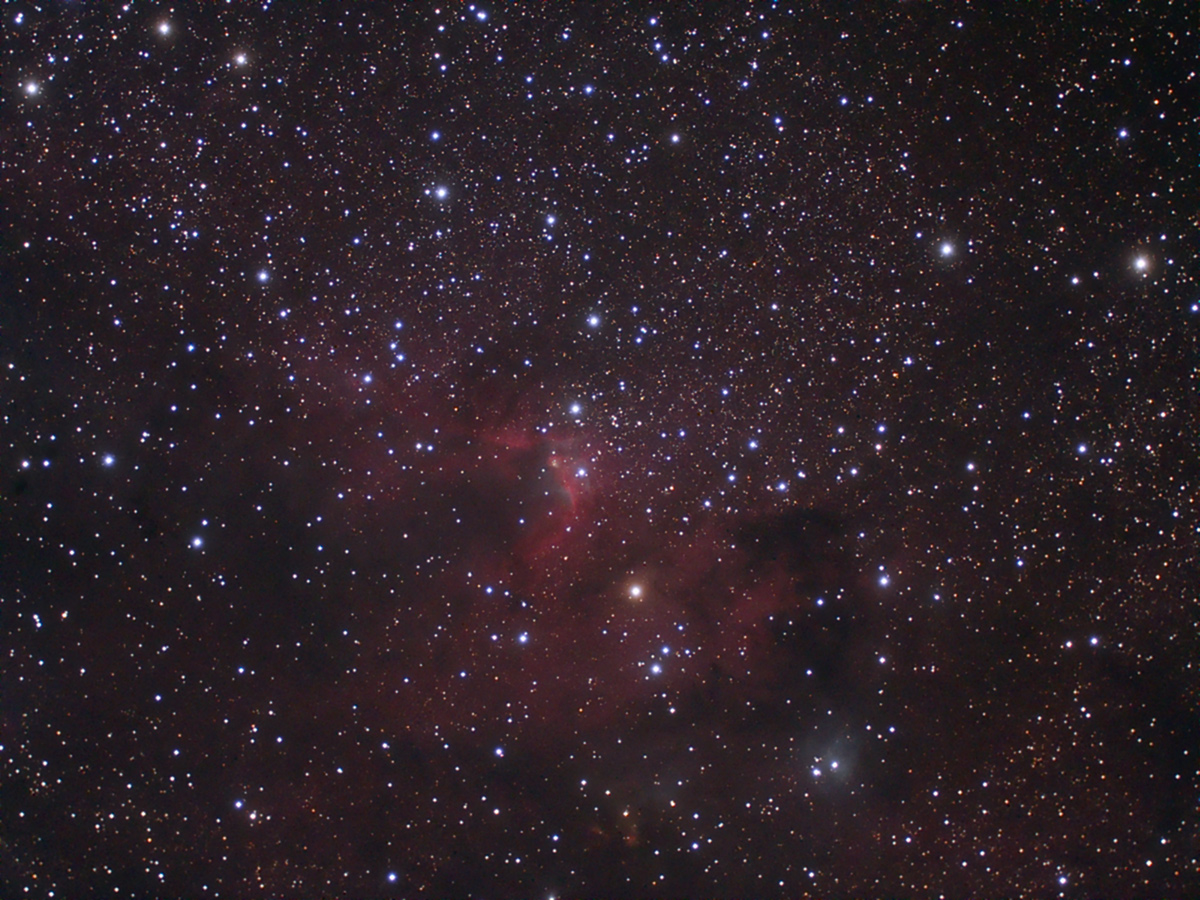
column 555, row 450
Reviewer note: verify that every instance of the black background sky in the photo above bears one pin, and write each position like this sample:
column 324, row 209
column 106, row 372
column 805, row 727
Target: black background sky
column 566, row 450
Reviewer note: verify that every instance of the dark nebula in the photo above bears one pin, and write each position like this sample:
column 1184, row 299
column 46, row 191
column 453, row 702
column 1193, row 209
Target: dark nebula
column 594, row 450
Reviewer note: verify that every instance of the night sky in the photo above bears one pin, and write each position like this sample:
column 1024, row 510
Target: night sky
column 554, row 450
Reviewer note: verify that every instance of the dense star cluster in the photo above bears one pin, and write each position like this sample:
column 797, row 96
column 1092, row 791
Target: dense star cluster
column 550, row 450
